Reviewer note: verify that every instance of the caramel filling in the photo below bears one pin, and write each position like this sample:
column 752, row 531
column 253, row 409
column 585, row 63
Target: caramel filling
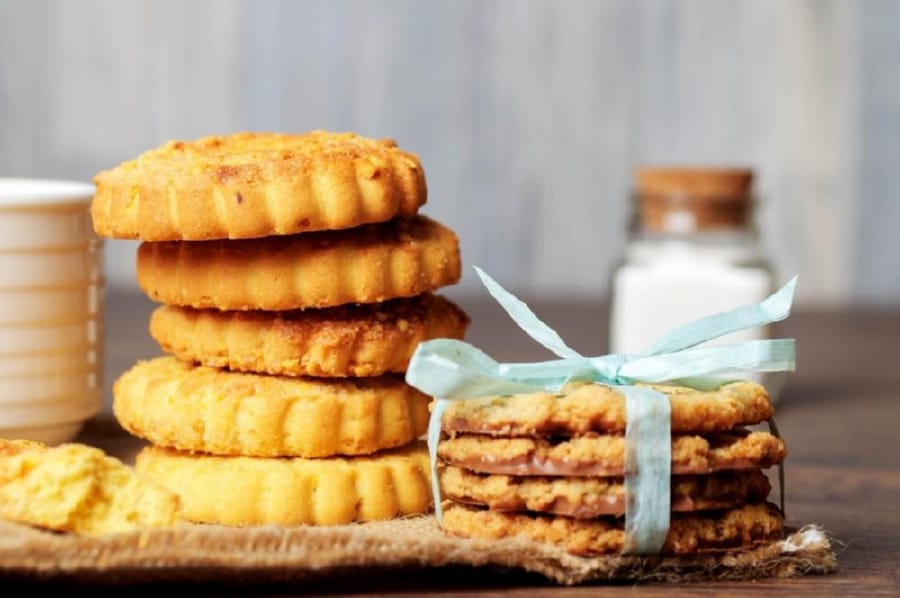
column 537, row 465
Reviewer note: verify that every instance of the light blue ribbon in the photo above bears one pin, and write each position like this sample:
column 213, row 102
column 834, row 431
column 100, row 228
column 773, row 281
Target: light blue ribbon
column 451, row 370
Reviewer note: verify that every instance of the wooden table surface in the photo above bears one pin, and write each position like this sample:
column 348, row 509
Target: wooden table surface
column 839, row 415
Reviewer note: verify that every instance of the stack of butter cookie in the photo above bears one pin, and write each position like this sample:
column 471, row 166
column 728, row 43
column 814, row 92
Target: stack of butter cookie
column 550, row 467
column 297, row 278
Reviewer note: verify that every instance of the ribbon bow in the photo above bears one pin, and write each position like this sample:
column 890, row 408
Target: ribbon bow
column 451, row 370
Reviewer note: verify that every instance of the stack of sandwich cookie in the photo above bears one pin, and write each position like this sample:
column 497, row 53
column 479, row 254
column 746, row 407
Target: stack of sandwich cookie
column 297, row 278
column 550, row 467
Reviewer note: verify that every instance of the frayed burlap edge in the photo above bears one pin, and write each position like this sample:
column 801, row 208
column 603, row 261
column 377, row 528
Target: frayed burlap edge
column 272, row 554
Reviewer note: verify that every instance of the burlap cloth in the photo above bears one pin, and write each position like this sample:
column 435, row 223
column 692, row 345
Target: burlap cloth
column 271, row 554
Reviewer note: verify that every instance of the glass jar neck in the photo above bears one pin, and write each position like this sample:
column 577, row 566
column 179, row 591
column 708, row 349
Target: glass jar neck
column 680, row 216
column 679, row 236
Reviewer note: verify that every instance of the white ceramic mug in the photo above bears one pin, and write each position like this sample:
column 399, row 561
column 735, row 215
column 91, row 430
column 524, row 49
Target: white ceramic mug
column 51, row 310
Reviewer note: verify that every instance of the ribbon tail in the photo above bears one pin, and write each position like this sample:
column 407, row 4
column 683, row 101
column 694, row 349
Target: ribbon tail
column 434, row 437
column 526, row 319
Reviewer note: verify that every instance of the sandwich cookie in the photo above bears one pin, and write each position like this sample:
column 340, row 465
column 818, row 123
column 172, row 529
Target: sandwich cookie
column 689, row 533
column 605, row 455
column 590, row 497
column 583, row 408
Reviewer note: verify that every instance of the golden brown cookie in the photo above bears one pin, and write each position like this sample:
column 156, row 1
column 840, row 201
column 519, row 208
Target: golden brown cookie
column 352, row 340
column 198, row 408
column 368, row 264
column 743, row 527
column 582, row 408
column 605, row 455
column 590, row 497
column 255, row 185
column 251, row 491
column 77, row 488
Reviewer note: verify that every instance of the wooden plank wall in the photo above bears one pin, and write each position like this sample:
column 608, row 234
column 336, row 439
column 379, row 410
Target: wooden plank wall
column 528, row 115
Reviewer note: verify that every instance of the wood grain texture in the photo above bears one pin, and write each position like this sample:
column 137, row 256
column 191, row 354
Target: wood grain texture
column 528, row 116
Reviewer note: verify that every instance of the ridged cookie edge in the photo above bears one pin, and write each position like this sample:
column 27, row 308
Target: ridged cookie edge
column 353, row 340
column 251, row 185
column 240, row 491
column 197, row 408
column 369, row 264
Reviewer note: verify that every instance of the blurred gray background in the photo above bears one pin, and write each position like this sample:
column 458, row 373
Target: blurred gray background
column 529, row 116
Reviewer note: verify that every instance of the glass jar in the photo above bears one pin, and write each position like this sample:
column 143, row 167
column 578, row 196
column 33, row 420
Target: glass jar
column 692, row 250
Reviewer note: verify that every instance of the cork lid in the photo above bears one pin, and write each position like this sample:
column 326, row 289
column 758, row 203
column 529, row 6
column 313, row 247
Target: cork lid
column 683, row 200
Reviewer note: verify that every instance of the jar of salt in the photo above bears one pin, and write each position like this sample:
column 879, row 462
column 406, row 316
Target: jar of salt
column 693, row 250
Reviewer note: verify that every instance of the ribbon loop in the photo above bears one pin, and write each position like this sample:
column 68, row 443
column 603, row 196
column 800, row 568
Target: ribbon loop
column 522, row 315
column 726, row 361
